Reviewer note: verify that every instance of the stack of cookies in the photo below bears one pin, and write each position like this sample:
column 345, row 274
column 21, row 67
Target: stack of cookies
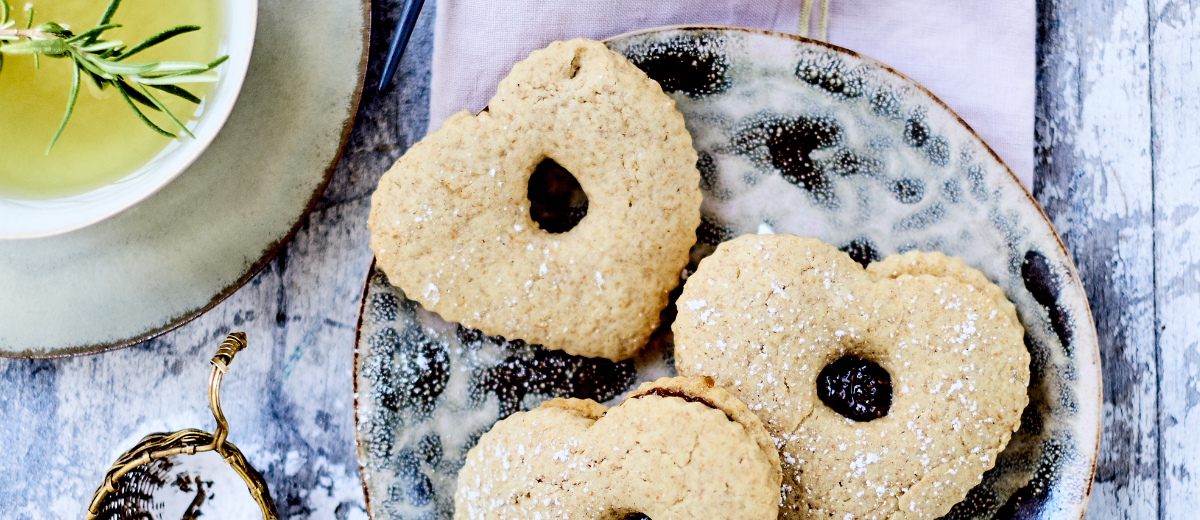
column 811, row 387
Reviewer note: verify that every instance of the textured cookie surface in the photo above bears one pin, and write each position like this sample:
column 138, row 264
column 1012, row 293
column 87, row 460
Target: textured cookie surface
column 674, row 449
column 766, row 313
column 450, row 222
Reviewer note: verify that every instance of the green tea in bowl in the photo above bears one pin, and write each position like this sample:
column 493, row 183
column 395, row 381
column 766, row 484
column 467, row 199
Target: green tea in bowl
column 103, row 103
column 103, row 140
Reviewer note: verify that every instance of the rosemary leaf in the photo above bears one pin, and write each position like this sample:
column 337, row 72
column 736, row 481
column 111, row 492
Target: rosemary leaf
column 185, row 78
column 70, row 108
column 172, row 67
column 5, row 11
column 105, row 19
column 121, row 69
column 158, row 38
column 55, row 47
column 37, row 58
column 164, row 109
column 135, row 95
column 94, row 31
column 101, row 46
column 81, row 61
column 100, row 82
column 176, row 91
column 55, row 29
column 142, row 116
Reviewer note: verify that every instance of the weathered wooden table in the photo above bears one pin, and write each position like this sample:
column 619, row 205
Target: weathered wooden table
column 1118, row 172
column 1118, row 163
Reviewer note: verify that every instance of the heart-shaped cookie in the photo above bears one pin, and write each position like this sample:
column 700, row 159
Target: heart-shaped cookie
column 673, row 449
column 889, row 390
column 451, row 225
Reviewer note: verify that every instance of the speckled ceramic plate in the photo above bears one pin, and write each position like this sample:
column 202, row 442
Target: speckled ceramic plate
column 189, row 246
column 794, row 136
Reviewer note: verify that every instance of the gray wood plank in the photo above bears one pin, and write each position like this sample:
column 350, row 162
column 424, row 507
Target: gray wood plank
column 1175, row 73
column 1093, row 179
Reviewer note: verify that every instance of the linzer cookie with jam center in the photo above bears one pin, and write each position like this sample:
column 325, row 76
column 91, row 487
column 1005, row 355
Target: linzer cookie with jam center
column 889, row 390
column 673, row 449
column 450, row 222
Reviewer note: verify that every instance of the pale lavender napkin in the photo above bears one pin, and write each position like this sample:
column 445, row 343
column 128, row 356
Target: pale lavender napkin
column 977, row 57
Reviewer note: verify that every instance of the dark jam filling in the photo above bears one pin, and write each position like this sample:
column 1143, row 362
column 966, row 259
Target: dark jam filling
column 556, row 200
column 856, row 388
column 666, row 392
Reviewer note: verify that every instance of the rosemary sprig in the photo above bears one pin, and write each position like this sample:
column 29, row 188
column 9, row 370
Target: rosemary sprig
column 104, row 63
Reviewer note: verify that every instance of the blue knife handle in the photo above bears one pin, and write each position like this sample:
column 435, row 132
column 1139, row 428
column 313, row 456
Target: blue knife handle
column 408, row 20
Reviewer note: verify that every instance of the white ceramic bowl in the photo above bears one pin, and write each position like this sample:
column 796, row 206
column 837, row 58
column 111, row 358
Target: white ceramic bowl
column 42, row 218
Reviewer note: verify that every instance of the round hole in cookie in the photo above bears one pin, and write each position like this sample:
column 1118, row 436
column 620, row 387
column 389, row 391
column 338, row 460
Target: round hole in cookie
column 855, row 388
column 556, row 200
column 635, row 516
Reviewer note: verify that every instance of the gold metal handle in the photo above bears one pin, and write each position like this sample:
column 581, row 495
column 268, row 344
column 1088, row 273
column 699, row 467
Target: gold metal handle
column 233, row 344
column 161, row 445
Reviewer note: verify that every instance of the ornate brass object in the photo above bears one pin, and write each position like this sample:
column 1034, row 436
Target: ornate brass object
column 158, row 446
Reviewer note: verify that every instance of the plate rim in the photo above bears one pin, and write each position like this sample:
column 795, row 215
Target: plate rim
column 268, row 254
column 1071, row 271
column 362, row 307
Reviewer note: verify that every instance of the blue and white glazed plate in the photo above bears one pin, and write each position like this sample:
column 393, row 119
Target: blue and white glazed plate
column 794, row 136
